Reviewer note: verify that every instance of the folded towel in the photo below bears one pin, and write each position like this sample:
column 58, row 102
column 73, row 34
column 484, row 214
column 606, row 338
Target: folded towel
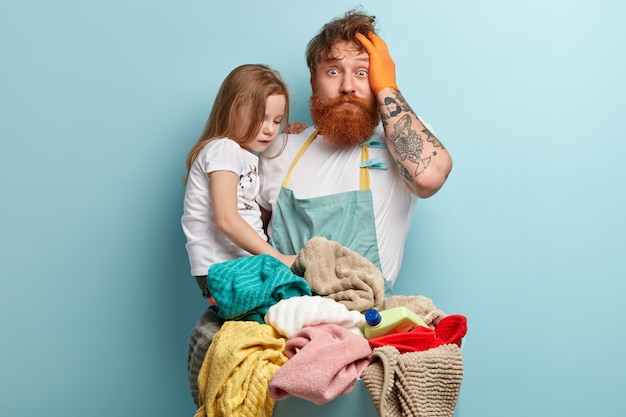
column 337, row 272
column 237, row 368
column 324, row 363
column 199, row 341
column 245, row 288
column 289, row 316
column 419, row 304
column 419, row 384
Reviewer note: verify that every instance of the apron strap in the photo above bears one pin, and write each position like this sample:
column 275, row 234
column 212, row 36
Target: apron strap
column 298, row 156
column 364, row 173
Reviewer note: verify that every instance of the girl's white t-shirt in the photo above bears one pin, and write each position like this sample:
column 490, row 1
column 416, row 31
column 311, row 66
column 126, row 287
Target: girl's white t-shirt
column 206, row 245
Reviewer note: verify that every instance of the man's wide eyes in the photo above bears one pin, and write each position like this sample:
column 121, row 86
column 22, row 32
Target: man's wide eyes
column 360, row 73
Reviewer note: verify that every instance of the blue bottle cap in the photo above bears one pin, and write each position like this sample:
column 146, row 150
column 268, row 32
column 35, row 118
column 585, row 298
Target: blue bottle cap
column 372, row 317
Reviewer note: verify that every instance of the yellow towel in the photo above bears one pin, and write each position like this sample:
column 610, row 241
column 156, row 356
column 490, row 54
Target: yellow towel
column 234, row 377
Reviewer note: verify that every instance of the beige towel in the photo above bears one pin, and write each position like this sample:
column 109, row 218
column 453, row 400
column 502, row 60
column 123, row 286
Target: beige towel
column 336, row 272
column 420, row 305
column 414, row 384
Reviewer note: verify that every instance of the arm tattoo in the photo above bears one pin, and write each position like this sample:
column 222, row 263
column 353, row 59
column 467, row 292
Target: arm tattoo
column 407, row 142
column 432, row 139
column 404, row 172
column 394, row 106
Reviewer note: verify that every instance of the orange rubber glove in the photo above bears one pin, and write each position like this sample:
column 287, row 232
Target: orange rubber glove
column 382, row 71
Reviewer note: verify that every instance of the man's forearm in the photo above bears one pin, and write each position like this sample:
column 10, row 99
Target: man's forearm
column 421, row 158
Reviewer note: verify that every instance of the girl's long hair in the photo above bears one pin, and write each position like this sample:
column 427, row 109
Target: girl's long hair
column 243, row 92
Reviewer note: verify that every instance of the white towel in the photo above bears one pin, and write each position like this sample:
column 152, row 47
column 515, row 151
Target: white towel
column 290, row 315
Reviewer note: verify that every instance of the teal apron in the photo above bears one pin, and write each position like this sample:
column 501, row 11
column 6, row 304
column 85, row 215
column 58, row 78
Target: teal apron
column 346, row 218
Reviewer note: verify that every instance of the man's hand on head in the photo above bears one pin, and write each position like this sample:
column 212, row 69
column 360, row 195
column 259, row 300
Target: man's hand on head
column 382, row 70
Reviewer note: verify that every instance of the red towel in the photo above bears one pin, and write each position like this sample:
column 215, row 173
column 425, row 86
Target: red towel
column 450, row 329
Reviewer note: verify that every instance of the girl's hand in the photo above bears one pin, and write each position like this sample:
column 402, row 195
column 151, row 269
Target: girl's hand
column 294, row 127
column 287, row 259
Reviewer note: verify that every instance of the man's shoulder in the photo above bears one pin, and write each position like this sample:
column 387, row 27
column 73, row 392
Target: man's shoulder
column 300, row 138
column 293, row 143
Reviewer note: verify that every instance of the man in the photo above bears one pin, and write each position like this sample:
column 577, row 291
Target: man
column 355, row 176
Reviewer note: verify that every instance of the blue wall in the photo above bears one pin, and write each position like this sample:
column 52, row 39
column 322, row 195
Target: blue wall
column 101, row 101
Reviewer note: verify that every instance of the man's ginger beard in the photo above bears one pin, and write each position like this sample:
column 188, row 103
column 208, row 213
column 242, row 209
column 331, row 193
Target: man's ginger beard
column 344, row 125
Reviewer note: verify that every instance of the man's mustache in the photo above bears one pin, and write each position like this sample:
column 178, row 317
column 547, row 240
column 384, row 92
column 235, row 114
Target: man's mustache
column 348, row 98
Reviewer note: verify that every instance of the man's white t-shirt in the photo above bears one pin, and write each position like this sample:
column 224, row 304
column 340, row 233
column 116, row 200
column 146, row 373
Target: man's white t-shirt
column 326, row 169
column 206, row 245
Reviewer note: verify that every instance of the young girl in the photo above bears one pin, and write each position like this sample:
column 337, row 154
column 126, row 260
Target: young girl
column 221, row 218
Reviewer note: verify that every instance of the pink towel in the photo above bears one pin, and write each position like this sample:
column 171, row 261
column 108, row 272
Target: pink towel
column 324, row 363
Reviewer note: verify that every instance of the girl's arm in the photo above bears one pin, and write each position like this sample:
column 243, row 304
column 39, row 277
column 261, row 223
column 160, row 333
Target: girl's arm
column 224, row 196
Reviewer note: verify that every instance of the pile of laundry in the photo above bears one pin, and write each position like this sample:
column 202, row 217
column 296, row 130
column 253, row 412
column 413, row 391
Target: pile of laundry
column 276, row 332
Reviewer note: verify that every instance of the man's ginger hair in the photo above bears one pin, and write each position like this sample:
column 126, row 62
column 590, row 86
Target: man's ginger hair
column 339, row 29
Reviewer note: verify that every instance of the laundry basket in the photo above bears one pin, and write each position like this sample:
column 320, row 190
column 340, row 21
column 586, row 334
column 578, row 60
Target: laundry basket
column 355, row 404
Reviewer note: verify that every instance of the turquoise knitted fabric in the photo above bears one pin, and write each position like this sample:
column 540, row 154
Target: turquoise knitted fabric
column 245, row 288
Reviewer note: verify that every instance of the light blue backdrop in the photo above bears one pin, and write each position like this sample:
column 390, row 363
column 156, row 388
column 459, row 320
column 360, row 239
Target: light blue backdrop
column 101, row 101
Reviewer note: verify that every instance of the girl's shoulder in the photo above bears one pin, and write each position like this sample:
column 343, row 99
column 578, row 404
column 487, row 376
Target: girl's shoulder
column 221, row 147
column 221, row 143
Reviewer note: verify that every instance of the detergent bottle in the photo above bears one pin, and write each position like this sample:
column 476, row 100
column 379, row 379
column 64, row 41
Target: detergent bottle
column 393, row 320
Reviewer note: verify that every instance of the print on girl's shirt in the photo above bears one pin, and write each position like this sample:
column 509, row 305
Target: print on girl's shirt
column 249, row 188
